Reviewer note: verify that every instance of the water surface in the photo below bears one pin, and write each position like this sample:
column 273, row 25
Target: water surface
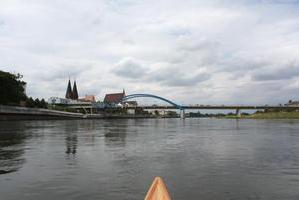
column 202, row 159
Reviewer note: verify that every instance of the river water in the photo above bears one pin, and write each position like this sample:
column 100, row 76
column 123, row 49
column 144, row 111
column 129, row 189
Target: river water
column 200, row 159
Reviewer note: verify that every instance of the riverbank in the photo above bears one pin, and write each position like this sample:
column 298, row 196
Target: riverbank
column 8, row 113
column 23, row 113
column 267, row 115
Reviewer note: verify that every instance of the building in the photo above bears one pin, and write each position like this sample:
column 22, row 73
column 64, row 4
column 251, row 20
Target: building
column 75, row 91
column 71, row 96
column 88, row 98
column 114, row 99
column 57, row 101
column 131, row 103
column 71, row 93
column 293, row 103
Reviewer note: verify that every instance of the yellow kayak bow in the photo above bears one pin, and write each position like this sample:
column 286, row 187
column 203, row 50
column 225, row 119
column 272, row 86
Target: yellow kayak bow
column 157, row 191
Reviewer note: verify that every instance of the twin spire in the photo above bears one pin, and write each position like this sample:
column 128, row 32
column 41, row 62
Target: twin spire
column 71, row 93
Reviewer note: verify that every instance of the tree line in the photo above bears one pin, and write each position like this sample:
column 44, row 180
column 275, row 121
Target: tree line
column 36, row 103
column 12, row 92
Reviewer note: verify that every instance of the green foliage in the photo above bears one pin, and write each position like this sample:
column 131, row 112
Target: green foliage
column 12, row 89
column 275, row 115
column 43, row 103
column 198, row 114
column 36, row 103
column 30, row 102
column 62, row 108
column 156, row 112
column 172, row 114
column 116, row 111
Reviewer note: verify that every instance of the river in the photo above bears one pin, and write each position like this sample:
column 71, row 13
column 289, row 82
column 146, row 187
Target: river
column 199, row 159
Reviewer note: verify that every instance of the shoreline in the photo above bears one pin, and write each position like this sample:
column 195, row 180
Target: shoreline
column 268, row 115
column 11, row 113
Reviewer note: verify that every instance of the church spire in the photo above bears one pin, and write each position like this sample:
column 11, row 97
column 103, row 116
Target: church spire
column 69, row 93
column 75, row 91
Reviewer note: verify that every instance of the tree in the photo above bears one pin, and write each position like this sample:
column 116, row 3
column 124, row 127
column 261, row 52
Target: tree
column 37, row 103
column 12, row 88
column 156, row 112
column 30, row 102
column 43, row 103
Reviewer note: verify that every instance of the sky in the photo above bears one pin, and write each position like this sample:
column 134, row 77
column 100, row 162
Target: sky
column 190, row 51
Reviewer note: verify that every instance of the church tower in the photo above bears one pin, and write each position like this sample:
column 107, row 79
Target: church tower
column 75, row 91
column 69, row 92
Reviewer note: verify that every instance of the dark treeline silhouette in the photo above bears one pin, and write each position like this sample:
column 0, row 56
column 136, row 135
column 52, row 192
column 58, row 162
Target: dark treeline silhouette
column 198, row 114
column 35, row 103
column 12, row 88
column 12, row 92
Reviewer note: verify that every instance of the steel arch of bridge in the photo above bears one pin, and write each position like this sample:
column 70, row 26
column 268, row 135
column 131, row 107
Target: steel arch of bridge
column 132, row 96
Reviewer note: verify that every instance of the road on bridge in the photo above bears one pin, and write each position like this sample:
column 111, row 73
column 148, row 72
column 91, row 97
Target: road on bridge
column 232, row 107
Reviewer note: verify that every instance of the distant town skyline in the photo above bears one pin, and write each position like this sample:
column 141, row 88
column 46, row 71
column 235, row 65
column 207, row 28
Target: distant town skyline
column 205, row 52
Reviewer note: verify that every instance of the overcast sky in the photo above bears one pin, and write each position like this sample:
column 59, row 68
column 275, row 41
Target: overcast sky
column 191, row 51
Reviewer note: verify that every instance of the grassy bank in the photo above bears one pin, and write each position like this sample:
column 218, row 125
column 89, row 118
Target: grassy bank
column 268, row 115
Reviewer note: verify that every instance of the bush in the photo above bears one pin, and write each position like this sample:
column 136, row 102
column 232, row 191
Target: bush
column 30, row 102
column 43, row 104
column 12, row 88
column 36, row 103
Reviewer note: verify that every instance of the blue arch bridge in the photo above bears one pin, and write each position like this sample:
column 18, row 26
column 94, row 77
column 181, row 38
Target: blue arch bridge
column 175, row 105
column 182, row 108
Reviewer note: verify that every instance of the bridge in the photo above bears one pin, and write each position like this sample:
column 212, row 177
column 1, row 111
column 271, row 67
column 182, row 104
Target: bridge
column 182, row 108
column 216, row 107
column 133, row 96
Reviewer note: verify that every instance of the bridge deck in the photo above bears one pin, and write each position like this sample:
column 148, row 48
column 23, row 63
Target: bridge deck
column 220, row 107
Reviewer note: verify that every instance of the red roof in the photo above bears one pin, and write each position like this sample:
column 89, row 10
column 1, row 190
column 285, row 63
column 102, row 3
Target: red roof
column 113, row 98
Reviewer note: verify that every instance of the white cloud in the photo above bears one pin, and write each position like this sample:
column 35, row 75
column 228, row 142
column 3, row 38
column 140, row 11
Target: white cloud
column 196, row 51
column 129, row 68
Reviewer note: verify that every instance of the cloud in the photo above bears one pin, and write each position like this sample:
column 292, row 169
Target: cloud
column 195, row 51
column 175, row 76
column 63, row 72
column 129, row 68
column 164, row 74
column 182, row 81
column 194, row 44
column 2, row 23
column 287, row 72
column 281, row 1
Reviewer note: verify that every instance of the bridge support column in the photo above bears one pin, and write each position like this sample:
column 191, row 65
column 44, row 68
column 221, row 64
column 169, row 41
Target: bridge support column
column 238, row 113
column 182, row 114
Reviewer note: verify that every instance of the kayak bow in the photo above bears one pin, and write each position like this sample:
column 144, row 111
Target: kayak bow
column 157, row 191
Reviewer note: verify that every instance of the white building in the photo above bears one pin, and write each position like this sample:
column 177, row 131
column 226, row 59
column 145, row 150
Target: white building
column 293, row 103
column 57, row 100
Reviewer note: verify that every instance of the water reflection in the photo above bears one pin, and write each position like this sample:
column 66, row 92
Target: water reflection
column 70, row 131
column 115, row 132
column 71, row 142
column 12, row 139
column 117, row 159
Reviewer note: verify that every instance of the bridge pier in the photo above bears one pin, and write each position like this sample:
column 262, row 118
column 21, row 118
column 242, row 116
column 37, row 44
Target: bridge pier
column 238, row 113
column 182, row 114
